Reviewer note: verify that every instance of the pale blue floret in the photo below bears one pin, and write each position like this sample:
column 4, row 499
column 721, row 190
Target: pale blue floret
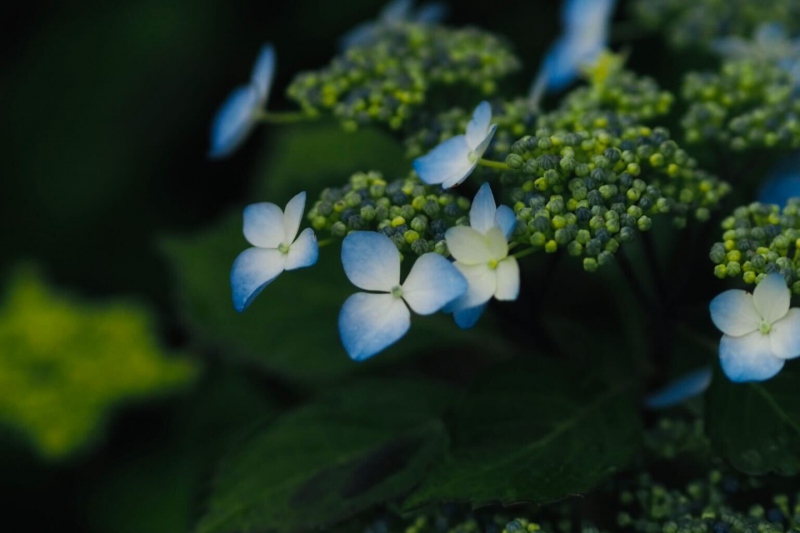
column 680, row 390
column 276, row 247
column 369, row 322
column 450, row 163
column 782, row 183
column 239, row 113
column 760, row 330
column 395, row 12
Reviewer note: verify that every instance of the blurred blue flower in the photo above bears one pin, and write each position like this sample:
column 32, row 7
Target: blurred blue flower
column 395, row 12
column 782, row 183
column 276, row 247
column 371, row 321
column 239, row 113
column 453, row 161
column 680, row 390
column 760, row 331
column 770, row 44
column 481, row 254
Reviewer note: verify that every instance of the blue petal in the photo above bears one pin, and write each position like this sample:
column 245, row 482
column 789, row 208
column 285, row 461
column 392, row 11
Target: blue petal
column 779, row 188
column 483, row 210
column 563, row 61
column 396, row 11
column 748, row 358
column 371, row 261
column 252, row 271
column 234, row 121
column 466, row 318
column 369, row 323
column 681, row 389
column 577, row 15
column 304, row 251
column 506, row 220
column 447, row 162
column 478, row 126
column 432, row 284
column 431, row 13
column 264, row 71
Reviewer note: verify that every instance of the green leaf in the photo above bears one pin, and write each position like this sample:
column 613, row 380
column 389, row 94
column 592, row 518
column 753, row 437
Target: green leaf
column 367, row 443
column 534, row 430
column 756, row 426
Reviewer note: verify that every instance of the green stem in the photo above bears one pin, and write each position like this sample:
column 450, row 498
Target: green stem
column 284, row 118
column 493, row 164
column 523, row 253
column 324, row 242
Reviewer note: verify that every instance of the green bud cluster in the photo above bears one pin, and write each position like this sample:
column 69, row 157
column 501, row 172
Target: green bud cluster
column 760, row 239
column 387, row 80
column 590, row 192
column 746, row 104
column 700, row 22
column 413, row 215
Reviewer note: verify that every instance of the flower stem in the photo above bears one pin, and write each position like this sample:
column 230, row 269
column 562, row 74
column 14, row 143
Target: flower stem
column 523, row 253
column 499, row 165
column 324, row 242
column 284, row 118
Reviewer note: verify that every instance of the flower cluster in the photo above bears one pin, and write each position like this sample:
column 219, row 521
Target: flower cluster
column 387, row 80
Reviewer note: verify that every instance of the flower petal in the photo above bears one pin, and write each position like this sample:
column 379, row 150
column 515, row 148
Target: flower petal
column 498, row 244
column 772, row 298
column 506, row 220
column 734, row 313
column 478, row 126
column 507, row 279
column 748, row 358
column 368, row 323
column 785, row 335
column 264, row 72
column 293, row 216
column 466, row 318
column 483, row 210
column 448, row 162
column 778, row 189
column 263, row 225
column 585, row 15
column 396, row 11
column 371, row 261
column 432, row 283
column 254, row 269
column 233, row 121
column 468, row 246
column 303, row 252
column 683, row 388
column 482, row 282
column 484, row 144
column 431, row 13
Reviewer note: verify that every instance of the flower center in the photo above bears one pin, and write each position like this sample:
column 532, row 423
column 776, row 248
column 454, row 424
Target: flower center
column 472, row 156
column 765, row 327
column 493, row 263
column 283, row 248
column 397, row 291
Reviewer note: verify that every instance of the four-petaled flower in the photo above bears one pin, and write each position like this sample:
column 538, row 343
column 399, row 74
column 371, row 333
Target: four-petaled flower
column 453, row 161
column 760, row 331
column 272, row 233
column 481, row 254
column 239, row 113
column 371, row 321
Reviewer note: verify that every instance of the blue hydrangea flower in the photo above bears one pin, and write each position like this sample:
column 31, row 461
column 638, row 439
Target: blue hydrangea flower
column 395, row 12
column 453, row 161
column 585, row 35
column 770, row 44
column 276, row 247
column 782, row 183
column 481, row 254
column 680, row 390
column 371, row 321
column 760, row 331
column 239, row 113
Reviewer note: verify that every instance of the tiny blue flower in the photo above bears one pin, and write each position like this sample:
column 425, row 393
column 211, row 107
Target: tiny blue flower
column 760, row 330
column 371, row 321
column 782, row 183
column 680, row 390
column 276, row 247
column 481, row 254
column 453, row 161
column 395, row 12
column 239, row 112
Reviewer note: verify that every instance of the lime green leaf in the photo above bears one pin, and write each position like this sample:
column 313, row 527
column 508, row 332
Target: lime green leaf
column 367, row 443
column 756, row 426
column 64, row 364
column 534, row 431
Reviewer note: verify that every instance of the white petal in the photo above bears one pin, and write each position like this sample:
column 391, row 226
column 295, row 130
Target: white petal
column 432, row 283
column 303, row 252
column 293, row 216
column 468, row 246
column 264, row 72
column 683, row 388
column 233, row 121
column 478, row 126
column 483, row 210
column 448, row 162
column 498, row 244
column 458, row 178
column 484, row 144
column 371, row 261
column 466, row 318
column 748, row 358
column 507, row 279
column 254, row 269
column 772, row 298
column 734, row 313
column 785, row 335
column 482, row 285
column 506, row 220
column 368, row 323
column 263, row 225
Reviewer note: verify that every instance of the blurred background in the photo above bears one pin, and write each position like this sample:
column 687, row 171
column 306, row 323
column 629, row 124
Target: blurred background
column 106, row 118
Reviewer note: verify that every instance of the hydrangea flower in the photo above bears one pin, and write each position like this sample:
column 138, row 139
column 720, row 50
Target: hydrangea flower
column 239, row 113
column 586, row 30
column 371, row 321
column 453, row 161
column 770, row 44
column 276, row 247
column 760, row 331
column 783, row 182
column 481, row 254
column 680, row 390
column 395, row 12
